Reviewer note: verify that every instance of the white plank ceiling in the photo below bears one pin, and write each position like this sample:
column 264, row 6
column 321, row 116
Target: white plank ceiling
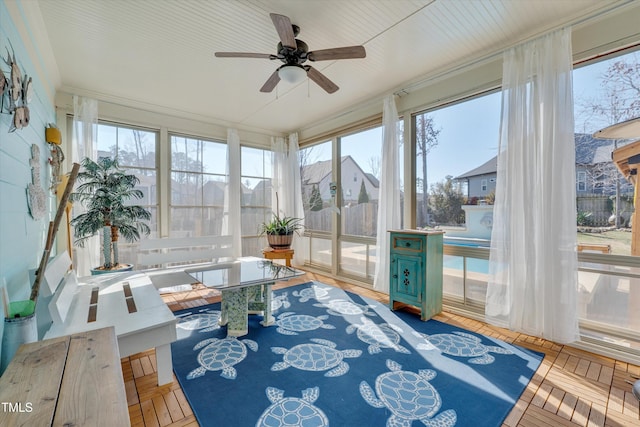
column 159, row 53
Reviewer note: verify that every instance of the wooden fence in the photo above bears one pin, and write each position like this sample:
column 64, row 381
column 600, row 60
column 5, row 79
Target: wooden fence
column 356, row 220
column 600, row 207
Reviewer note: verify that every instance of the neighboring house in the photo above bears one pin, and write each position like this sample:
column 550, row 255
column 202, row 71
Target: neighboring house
column 319, row 175
column 481, row 181
column 595, row 172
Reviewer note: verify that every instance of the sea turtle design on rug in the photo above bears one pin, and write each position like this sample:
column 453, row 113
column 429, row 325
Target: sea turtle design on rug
column 312, row 292
column 321, row 356
column 290, row 323
column 378, row 336
column 408, row 396
column 221, row 354
column 280, row 301
column 342, row 307
column 465, row 345
column 292, row 411
column 205, row 321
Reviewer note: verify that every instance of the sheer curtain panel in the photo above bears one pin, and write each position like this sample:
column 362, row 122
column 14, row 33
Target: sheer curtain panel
column 84, row 144
column 232, row 221
column 533, row 263
column 389, row 199
column 286, row 183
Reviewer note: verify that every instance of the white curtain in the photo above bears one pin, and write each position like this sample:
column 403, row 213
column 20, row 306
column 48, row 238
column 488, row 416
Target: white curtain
column 84, row 144
column 533, row 263
column 286, row 183
column 389, row 193
column 232, row 220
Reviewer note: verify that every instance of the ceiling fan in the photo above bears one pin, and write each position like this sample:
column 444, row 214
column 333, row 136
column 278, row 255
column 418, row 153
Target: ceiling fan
column 294, row 53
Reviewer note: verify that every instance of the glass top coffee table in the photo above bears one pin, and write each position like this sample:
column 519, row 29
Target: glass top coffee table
column 245, row 284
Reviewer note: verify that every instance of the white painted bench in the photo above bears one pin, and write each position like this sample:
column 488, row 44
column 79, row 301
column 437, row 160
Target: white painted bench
column 166, row 252
column 127, row 301
column 164, row 259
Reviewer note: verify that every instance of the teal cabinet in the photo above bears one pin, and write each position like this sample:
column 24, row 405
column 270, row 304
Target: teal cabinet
column 415, row 274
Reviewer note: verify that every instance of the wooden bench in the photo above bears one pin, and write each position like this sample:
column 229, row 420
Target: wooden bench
column 594, row 247
column 73, row 380
column 129, row 302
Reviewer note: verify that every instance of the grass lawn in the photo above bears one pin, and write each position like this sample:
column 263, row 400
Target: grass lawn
column 620, row 241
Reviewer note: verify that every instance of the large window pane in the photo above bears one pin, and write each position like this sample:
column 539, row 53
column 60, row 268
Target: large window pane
column 606, row 93
column 316, row 176
column 136, row 152
column 198, row 169
column 456, row 175
column 360, row 182
column 256, row 197
column 456, row 150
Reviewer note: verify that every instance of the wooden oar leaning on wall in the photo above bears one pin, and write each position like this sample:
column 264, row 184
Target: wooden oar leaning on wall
column 53, row 229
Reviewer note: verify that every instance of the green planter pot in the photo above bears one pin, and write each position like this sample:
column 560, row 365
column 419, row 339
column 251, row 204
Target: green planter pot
column 97, row 271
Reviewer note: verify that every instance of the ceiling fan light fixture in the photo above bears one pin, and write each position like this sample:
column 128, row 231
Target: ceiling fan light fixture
column 292, row 73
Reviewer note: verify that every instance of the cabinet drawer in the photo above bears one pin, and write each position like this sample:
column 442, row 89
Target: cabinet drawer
column 404, row 243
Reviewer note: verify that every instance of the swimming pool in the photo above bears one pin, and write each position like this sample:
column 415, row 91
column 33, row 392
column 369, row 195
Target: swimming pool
column 467, row 241
column 475, row 265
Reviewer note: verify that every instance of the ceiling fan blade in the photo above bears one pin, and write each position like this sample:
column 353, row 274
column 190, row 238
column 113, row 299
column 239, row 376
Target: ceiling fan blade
column 284, row 29
column 271, row 82
column 244, row 55
column 347, row 52
column 321, row 80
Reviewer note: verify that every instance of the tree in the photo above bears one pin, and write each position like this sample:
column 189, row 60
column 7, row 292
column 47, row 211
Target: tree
column 306, row 157
column 374, row 165
column 426, row 140
column 315, row 200
column 446, row 202
column 619, row 100
column 363, row 197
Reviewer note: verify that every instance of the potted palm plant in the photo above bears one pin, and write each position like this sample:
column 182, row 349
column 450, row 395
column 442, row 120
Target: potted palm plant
column 104, row 190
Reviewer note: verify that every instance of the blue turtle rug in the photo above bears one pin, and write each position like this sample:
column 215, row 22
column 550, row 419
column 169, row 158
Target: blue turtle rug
column 336, row 358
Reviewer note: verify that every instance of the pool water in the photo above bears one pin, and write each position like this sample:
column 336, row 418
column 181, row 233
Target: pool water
column 473, row 264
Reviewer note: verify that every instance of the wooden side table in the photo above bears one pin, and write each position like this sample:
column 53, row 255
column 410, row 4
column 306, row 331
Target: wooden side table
column 285, row 254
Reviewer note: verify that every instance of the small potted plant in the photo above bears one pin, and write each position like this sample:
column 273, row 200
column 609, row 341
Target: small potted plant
column 280, row 231
column 104, row 190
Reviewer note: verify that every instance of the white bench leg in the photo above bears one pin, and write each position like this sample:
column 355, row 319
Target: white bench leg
column 164, row 364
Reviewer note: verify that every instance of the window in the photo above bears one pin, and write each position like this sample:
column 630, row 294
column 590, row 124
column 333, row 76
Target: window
column 198, row 179
column 135, row 149
column 256, row 203
column 581, row 181
column 316, row 174
column 455, row 147
column 605, row 93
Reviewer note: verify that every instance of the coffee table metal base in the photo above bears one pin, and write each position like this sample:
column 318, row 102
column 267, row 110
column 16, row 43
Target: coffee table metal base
column 238, row 303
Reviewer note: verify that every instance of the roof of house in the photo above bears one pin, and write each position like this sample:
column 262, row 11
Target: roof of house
column 589, row 151
column 491, row 166
column 315, row 172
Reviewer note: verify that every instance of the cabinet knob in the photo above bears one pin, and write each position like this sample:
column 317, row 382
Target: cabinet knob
column 407, row 244
column 395, row 276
